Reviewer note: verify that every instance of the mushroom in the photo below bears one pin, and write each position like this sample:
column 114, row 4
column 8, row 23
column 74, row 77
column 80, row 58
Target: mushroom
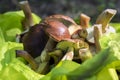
column 35, row 40
column 69, row 22
column 61, row 17
column 75, row 30
column 56, row 31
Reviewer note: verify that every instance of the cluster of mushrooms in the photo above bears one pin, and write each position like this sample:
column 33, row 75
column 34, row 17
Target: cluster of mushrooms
column 59, row 37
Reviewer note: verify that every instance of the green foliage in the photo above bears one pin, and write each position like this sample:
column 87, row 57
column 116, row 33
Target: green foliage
column 116, row 26
column 10, row 66
column 100, row 67
column 10, row 25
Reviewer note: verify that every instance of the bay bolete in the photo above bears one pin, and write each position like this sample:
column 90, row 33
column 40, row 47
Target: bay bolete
column 67, row 21
column 62, row 18
column 56, row 31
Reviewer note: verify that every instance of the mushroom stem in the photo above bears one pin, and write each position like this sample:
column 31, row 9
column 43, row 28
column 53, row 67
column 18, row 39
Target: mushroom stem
column 84, row 21
column 28, row 58
column 43, row 68
column 28, row 20
column 105, row 17
column 45, row 57
column 97, row 34
column 49, row 46
column 69, row 55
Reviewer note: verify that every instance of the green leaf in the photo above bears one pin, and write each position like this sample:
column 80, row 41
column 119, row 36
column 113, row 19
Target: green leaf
column 7, row 52
column 91, row 67
column 107, row 74
column 58, row 73
column 18, row 71
column 10, row 66
column 107, row 61
column 10, row 25
column 103, row 65
column 116, row 26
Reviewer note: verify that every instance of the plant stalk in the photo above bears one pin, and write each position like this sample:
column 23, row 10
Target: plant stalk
column 28, row 58
column 69, row 55
column 43, row 68
column 28, row 20
column 84, row 21
column 105, row 17
column 49, row 46
column 97, row 34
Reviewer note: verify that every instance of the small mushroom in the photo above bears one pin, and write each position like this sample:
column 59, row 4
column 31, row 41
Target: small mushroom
column 61, row 17
column 69, row 22
column 56, row 31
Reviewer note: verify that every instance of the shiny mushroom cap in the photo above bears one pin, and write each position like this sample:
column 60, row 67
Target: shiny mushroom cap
column 62, row 17
column 56, row 29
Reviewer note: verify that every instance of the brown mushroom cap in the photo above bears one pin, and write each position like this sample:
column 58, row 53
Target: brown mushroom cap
column 67, row 21
column 56, row 29
column 35, row 40
column 63, row 17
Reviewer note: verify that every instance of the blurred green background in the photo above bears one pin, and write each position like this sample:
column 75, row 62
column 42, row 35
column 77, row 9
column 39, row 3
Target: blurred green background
column 72, row 8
